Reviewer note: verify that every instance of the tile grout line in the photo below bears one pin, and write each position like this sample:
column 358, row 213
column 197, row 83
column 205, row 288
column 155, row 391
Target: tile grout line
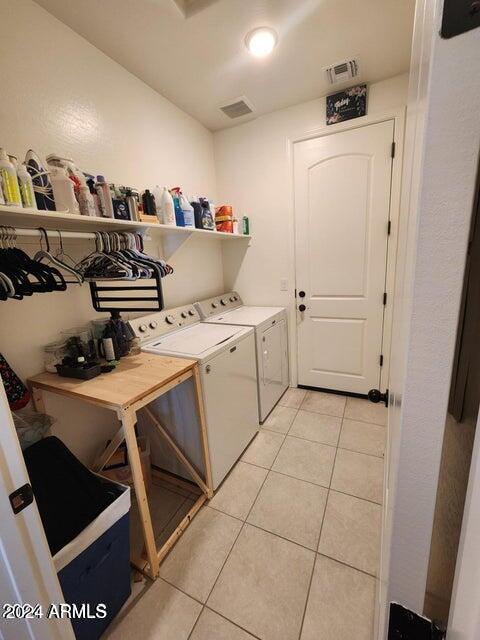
column 345, row 564
column 320, row 534
column 231, row 622
column 310, row 482
column 244, row 522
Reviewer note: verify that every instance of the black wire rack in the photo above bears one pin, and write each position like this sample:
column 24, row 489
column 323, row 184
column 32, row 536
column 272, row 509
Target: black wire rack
column 120, row 295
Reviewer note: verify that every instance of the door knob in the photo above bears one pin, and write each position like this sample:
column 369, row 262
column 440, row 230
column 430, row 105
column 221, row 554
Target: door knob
column 301, row 294
column 375, row 395
column 301, row 307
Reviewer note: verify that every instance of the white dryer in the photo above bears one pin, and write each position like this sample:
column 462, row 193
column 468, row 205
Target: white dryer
column 271, row 340
column 226, row 358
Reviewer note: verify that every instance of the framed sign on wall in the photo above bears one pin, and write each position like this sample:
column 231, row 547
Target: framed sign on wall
column 348, row 104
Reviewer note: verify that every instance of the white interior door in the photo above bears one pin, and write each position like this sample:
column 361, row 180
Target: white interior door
column 27, row 574
column 342, row 203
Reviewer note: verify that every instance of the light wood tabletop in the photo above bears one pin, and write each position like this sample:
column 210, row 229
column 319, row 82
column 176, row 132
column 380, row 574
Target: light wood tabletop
column 133, row 378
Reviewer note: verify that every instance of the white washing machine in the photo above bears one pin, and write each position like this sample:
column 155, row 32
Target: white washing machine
column 226, row 358
column 271, row 340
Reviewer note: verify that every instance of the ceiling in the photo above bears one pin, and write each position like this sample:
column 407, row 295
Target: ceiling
column 193, row 52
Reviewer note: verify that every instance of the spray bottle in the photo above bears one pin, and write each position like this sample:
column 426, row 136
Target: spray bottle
column 11, row 191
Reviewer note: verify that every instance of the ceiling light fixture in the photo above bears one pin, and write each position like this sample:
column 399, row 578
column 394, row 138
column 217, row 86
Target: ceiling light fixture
column 261, row 42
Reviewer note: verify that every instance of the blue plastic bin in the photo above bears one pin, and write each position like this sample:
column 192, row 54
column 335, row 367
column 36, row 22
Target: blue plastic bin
column 100, row 572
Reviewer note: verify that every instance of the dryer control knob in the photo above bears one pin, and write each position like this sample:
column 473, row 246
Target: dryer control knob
column 153, row 324
column 214, row 305
column 223, row 301
column 184, row 314
column 170, row 319
column 191, row 312
column 232, row 299
column 142, row 328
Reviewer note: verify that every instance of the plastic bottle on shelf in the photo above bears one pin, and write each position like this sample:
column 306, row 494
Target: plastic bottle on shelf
column 206, row 220
column 132, row 205
column 25, row 183
column 95, row 198
column 8, row 174
column 179, row 217
column 197, row 212
column 105, row 198
column 63, row 192
column 85, row 200
column 167, row 208
column 149, row 204
column 187, row 209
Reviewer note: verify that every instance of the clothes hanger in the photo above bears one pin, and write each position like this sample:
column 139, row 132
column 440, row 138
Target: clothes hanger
column 59, row 283
column 10, row 266
column 47, row 255
column 99, row 265
column 7, row 289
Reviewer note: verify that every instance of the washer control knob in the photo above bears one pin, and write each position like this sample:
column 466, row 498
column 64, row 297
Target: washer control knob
column 191, row 312
column 170, row 319
column 153, row 324
column 142, row 328
column 232, row 298
column 184, row 314
column 223, row 301
column 214, row 305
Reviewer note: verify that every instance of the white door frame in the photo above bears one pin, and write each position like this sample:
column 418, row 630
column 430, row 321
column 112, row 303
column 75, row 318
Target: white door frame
column 27, row 573
column 442, row 146
column 398, row 116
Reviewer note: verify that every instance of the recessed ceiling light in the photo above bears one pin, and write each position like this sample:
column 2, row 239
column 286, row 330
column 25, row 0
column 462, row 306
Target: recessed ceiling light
column 261, row 42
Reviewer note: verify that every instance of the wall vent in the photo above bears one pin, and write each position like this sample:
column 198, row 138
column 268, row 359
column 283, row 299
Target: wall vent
column 237, row 108
column 342, row 72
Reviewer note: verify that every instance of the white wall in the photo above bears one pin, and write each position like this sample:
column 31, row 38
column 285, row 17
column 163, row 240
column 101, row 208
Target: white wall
column 253, row 174
column 60, row 94
column 439, row 186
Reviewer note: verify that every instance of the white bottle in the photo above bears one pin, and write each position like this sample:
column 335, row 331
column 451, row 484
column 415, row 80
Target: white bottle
column 187, row 211
column 63, row 192
column 158, row 195
column 105, row 197
column 167, row 208
column 11, row 191
column 86, row 201
column 26, row 186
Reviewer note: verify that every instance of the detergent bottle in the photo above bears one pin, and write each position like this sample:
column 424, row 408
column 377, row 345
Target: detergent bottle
column 167, row 208
column 206, row 219
column 11, row 190
column 26, row 186
column 179, row 217
column 187, row 211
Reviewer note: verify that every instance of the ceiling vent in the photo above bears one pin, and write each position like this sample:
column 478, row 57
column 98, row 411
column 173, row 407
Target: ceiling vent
column 342, row 72
column 237, row 108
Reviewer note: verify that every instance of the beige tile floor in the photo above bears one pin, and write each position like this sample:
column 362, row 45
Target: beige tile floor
column 288, row 549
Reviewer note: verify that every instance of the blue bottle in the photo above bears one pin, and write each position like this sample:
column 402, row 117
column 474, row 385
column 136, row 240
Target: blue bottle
column 179, row 217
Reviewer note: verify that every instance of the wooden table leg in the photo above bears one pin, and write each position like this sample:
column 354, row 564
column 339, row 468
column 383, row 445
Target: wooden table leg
column 203, row 430
column 127, row 418
column 37, row 397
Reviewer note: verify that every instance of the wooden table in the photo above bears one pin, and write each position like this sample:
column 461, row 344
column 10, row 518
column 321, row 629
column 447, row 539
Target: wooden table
column 137, row 381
